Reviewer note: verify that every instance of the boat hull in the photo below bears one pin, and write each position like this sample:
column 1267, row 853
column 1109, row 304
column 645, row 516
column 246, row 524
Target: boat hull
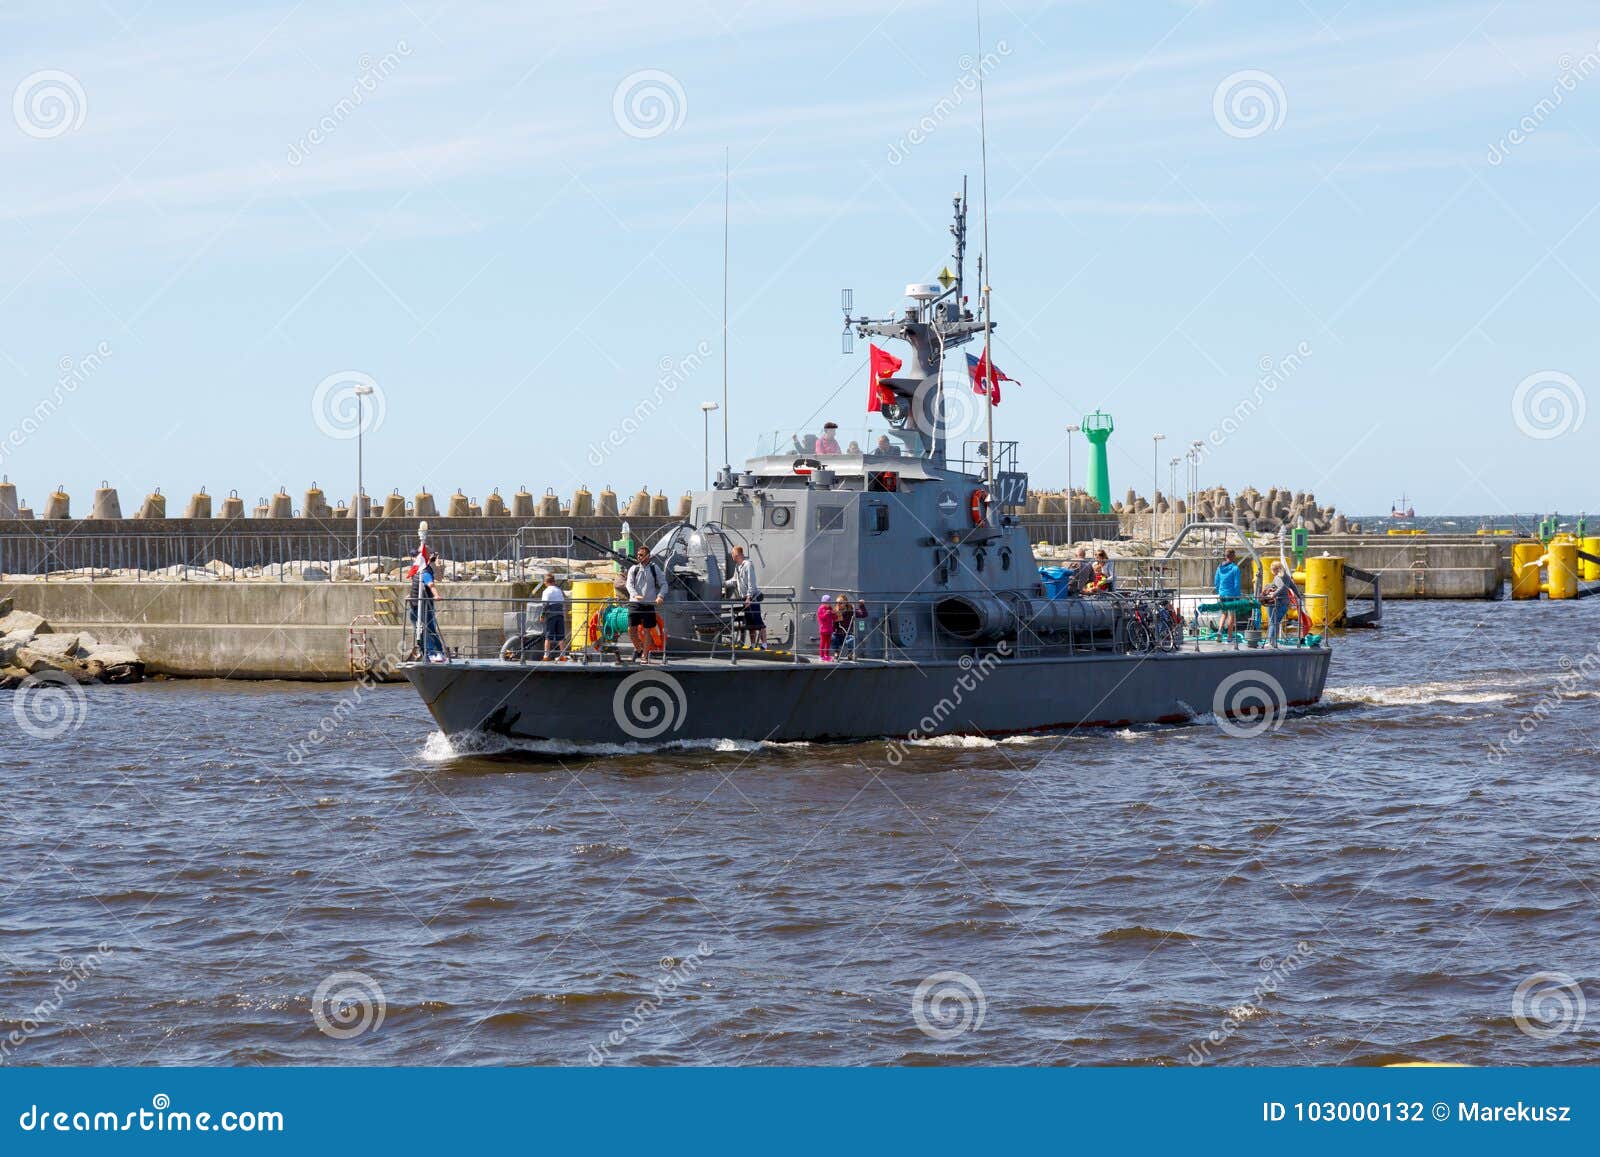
column 607, row 703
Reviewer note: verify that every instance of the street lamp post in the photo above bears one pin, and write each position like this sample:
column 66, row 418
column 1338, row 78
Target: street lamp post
column 362, row 391
column 1194, row 476
column 707, row 409
column 1155, row 486
column 1071, row 430
column 1172, row 489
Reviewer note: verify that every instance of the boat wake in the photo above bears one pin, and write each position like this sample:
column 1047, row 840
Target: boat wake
column 440, row 748
column 1446, row 693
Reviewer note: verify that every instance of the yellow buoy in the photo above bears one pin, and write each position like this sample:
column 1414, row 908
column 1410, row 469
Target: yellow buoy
column 586, row 598
column 1562, row 567
column 1324, row 589
column 1525, row 569
column 1589, row 571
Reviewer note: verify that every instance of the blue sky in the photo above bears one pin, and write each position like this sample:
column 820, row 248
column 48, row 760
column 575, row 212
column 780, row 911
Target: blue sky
column 511, row 255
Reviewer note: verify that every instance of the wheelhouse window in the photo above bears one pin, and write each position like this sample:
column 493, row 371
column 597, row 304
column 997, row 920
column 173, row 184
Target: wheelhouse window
column 830, row 519
column 737, row 516
column 877, row 518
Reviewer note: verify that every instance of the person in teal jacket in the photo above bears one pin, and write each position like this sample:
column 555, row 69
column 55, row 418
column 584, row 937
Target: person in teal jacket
column 1227, row 583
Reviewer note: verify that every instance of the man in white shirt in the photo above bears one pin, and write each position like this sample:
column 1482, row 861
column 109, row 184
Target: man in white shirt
column 646, row 591
column 555, row 617
column 744, row 587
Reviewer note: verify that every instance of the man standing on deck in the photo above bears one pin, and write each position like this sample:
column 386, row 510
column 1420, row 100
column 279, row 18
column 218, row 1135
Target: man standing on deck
column 744, row 586
column 646, row 591
column 1228, row 586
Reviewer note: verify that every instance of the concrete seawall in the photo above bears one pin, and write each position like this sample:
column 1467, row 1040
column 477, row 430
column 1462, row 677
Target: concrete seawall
column 254, row 631
column 1423, row 567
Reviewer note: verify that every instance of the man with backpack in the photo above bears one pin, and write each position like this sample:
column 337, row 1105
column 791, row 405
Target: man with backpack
column 647, row 588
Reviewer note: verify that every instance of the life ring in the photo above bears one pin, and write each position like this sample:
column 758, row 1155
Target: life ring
column 594, row 627
column 979, row 499
column 657, row 637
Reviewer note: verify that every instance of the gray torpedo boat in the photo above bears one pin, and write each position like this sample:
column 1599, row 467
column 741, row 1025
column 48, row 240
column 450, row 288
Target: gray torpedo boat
column 961, row 633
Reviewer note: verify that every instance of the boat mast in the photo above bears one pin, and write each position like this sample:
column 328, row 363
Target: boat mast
column 727, row 458
column 984, row 275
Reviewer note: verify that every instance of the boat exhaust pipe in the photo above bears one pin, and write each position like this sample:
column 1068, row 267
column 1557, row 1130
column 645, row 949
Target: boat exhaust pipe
column 980, row 618
column 975, row 618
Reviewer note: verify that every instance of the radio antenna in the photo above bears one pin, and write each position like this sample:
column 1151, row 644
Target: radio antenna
column 984, row 271
column 727, row 458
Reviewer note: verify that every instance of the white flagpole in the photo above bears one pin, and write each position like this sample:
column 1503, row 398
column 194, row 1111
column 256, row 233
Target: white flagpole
column 988, row 360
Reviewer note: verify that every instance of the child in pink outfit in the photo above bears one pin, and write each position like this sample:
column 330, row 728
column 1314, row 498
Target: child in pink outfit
column 826, row 621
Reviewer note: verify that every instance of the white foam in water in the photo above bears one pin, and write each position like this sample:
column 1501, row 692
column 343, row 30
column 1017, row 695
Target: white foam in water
column 1417, row 694
column 955, row 741
column 442, row 748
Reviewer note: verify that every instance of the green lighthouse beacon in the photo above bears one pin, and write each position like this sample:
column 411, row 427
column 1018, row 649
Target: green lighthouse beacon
column 1097, row 428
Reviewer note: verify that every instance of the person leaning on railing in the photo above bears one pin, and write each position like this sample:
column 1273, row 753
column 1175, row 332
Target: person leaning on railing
column 743, row 585
column 1280, row 595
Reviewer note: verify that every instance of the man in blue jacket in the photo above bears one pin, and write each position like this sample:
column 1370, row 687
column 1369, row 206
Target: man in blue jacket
column 1227, row 584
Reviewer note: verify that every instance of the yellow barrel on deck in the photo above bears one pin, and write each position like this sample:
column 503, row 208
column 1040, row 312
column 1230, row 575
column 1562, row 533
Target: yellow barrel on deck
column 1562, row 568
column 1525, row 577
column 1589, row 571
column 1325, row 591
column 584, row 599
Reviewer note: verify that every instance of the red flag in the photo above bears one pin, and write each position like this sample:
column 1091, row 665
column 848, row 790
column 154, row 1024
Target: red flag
column 975, row 371
column 883, row 365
